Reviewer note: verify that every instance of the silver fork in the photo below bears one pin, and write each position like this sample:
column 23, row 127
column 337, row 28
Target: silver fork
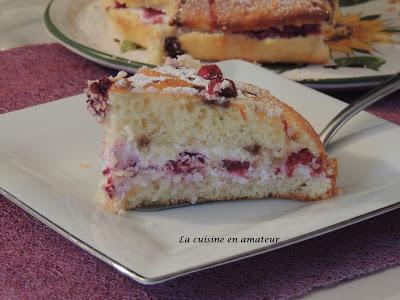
column 384, row 89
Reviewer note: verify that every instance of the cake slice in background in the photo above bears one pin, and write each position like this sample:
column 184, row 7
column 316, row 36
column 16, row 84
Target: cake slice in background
column 262, row 31
column 144, row 22
column 177, row 134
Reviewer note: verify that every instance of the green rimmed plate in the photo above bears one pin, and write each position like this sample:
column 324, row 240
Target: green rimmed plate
column 369, row 54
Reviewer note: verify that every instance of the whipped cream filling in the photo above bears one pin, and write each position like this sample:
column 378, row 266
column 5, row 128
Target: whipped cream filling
column 125, row 169
column 123, row 181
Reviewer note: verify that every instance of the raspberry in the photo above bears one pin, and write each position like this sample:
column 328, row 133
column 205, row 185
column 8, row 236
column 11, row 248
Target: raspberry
column 277, row 171
column 151, row 12
column 109, row 187
column 106, row 171
column 173, row 47
column 97, row 102
column 187, row 162
column 223, row 88
column 118, row 5
column 210, row 72
column 235, row 166
column 228, row 90
column 211, row 86
column 302, row 157
column 101, row 87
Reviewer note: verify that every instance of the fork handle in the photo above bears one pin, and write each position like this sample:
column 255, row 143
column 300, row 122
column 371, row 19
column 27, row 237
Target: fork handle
column 384, row 89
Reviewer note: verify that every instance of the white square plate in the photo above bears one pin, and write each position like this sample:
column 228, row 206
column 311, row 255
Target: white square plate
column 49, row 166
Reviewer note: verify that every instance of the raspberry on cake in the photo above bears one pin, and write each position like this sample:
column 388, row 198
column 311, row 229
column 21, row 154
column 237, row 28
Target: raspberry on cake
column 287, row 31
column 175, row 134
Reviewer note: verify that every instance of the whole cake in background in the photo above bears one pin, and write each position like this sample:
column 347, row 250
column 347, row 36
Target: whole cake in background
column 288, row 31
column 184, row 133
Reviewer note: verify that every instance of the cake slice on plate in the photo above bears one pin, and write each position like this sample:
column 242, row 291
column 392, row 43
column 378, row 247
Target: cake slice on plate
column 176, row 134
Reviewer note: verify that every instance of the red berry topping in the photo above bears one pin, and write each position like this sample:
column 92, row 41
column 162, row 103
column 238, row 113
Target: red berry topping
column 228, row 89
column 223, row 88
column 210, row 72
column 97, row 92
column 211, row 86
column 118, row 5
column 101, row 87
column 235, row 166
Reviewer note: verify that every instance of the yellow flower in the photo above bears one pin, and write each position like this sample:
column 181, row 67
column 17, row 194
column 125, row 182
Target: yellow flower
column 352, row 32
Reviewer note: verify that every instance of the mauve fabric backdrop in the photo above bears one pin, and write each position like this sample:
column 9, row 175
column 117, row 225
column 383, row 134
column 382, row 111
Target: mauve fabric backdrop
column 37, row 263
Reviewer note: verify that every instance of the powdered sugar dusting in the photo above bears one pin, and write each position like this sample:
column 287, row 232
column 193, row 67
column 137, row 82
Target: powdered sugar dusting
column 250, row 15
column 181, row 90
column 206, row 82
column 189, row 75
column 140, row 81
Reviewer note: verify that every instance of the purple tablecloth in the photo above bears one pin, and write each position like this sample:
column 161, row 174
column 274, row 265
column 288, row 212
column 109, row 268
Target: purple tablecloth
column 36, row 262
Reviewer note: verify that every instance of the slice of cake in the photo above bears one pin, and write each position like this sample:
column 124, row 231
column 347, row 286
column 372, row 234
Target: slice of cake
column 175, row 134
column 262, row 31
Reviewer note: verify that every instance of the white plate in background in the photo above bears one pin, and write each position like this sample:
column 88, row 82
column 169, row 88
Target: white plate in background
column 82, row 26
